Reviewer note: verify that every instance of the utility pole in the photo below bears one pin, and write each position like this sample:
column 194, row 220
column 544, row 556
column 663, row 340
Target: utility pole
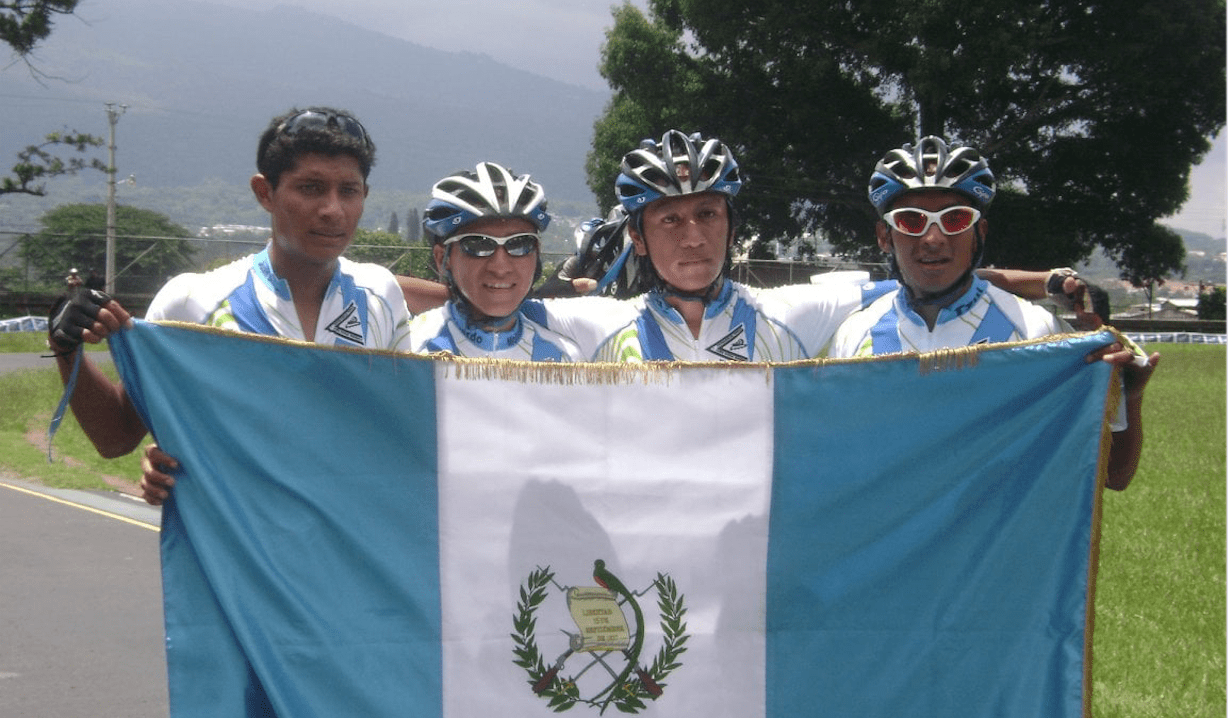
column 113, row 113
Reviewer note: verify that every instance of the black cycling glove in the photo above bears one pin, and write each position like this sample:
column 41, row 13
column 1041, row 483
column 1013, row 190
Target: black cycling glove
column 72, row 314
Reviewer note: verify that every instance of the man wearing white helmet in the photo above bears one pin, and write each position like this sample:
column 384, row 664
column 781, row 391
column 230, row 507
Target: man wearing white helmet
column 932, row 200
column 677, row 195
column 485, row 225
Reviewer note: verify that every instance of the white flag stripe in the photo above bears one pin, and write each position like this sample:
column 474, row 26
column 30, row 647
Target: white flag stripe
column 631, row 496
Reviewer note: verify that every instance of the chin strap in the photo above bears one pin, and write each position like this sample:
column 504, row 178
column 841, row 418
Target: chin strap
column 945, row 296
column 708, row 293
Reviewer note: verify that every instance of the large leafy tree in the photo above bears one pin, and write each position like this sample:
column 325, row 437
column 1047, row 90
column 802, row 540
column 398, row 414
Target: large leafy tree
column 149, row 248
column 23, row 24
column 1091, row 113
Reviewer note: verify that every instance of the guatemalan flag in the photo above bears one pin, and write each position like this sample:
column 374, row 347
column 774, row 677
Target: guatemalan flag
column 369, row 534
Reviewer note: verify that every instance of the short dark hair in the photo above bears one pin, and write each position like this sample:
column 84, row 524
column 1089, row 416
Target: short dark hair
column 328, row 131
column 1100, row 302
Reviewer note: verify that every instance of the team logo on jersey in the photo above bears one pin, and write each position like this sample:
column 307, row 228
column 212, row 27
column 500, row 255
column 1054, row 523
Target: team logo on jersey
column 601, row 664
column 732, row 346
column 348, row 325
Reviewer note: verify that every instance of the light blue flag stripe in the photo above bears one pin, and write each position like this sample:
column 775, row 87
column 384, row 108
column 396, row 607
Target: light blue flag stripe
column 938, row 540
column 325, row 560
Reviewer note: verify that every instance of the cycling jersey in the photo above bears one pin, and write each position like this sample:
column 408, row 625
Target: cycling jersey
column 445, row 329
column 981, row 315
column 740, row 324
column 363, row 304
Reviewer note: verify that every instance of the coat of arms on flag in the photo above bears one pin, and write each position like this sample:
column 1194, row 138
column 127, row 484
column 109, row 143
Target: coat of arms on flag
column 896, row 537
column 606, row 646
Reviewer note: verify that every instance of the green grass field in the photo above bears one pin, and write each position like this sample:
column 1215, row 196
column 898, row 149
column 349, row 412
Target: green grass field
column 1159, row 648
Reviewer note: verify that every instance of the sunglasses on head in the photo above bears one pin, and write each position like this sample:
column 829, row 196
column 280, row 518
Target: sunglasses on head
column 916, row 222
column 483, row 245
column 316, row 120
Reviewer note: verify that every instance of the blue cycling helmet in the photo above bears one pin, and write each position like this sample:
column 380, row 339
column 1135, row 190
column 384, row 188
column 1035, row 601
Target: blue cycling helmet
column 490, row 190
column 678, row 165
column 931, row 165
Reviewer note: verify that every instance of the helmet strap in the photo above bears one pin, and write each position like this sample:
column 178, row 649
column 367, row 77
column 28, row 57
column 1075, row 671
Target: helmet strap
column 465, row 307
column 709, row 293
column 942, row 297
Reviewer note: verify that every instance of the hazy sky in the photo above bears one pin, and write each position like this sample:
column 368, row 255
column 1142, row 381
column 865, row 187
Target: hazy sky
column 562, row 39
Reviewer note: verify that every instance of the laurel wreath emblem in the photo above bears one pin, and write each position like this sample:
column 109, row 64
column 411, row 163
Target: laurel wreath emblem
column 561, row 692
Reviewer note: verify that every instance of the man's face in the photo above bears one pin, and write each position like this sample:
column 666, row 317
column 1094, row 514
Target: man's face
column 315, row 208
column 934, row 262
column 495, row 285
column 687, row 238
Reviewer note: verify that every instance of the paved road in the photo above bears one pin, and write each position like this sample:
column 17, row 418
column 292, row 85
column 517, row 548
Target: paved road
column 80, row 605
column 80, row 599
column 15, row 360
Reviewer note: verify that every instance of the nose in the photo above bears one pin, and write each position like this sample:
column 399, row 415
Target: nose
column 332, row 204
column 690, row 234
column 500, row 261
column 933, row 235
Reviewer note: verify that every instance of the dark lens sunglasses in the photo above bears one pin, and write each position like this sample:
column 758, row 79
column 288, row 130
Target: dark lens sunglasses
column 483, row 245
column 314, row 120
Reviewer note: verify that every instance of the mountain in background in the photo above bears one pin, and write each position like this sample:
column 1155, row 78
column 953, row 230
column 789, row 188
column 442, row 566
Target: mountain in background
column 201, row 82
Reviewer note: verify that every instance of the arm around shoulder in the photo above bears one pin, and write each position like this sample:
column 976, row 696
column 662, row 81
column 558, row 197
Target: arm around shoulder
column 422, row 294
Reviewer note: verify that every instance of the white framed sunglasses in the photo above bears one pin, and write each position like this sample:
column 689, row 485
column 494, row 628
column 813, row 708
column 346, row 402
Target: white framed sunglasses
column 484, row 245
column 916, row 222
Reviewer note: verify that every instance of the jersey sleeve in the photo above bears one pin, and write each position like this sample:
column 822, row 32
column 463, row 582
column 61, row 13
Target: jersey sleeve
column 815, row 311
column 589, row 321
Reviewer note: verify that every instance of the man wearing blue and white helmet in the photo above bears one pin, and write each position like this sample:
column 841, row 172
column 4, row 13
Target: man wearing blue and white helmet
column 486, row 225
column 932, row 200
column 957, row 184
column 678, row 195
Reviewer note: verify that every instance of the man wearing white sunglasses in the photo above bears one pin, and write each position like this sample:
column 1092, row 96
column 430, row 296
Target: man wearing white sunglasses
column 932, row 200
column 485, row 225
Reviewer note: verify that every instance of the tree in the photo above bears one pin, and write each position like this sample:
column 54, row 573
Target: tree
column 23, row 24
column 1089, row 150
column 37, row 162
column 149, row 248
column 1212, row 303
column 394, row 226
column 389, row 250
column 413, row 226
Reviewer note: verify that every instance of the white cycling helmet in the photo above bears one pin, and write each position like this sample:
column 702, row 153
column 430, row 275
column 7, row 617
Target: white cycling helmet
column 677, row 165
column 490, row 190
column 931, row 165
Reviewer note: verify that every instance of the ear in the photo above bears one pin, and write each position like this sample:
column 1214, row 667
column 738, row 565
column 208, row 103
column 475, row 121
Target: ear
column 883, row 232
column 641, row 249
column 983, row 225
column 263, row 190
column 437, row 251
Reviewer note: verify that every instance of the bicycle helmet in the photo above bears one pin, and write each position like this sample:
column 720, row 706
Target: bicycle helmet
column 462, row 198
column 931, row 165
column 677, row 165
column 490, row 190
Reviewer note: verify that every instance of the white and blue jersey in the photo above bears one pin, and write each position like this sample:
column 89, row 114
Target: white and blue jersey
column 740, row 324
column 363, row 305
column 983, row 314
column 529, row 338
